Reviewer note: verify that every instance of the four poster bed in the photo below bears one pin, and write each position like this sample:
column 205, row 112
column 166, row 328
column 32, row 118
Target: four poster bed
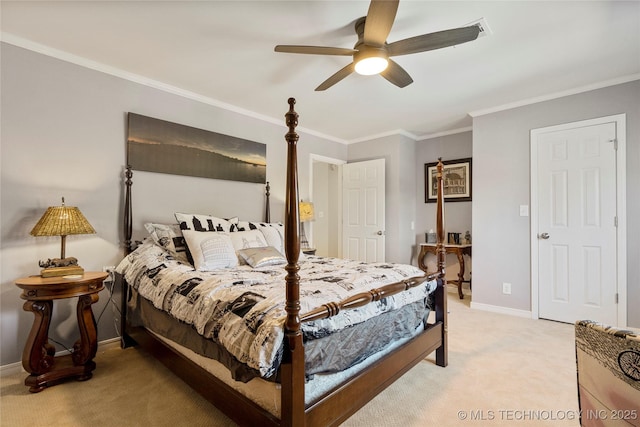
column 278, row 328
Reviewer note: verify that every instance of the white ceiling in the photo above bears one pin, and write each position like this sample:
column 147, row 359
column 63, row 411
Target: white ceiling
column 222, row 52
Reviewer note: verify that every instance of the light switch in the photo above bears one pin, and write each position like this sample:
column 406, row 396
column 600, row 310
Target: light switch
column 524, row 210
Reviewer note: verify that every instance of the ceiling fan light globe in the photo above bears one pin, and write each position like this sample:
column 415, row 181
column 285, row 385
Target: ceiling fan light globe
column 372, row 65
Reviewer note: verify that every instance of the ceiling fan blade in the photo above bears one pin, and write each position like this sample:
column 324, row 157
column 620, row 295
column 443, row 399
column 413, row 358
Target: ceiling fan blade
column 315, row 50
column 433, row 41
column 336, row 77
column 379, row 21
column 396, row 75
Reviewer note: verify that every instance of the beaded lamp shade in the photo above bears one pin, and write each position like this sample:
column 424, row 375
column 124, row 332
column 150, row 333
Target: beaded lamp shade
column 62, row 221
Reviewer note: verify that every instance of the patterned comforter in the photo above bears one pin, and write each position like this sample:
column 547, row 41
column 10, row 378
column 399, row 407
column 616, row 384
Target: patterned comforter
column 242, row 308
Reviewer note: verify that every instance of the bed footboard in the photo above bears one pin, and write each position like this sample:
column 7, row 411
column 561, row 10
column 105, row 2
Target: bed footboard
column 442, row 352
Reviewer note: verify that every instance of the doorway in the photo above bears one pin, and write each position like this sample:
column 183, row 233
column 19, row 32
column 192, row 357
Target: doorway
column 325, row 232
column 578, row 224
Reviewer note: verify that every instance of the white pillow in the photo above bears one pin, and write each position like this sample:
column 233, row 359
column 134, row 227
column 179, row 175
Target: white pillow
column 210, row 251
column 200, row 222
column 248, row 239
column 244, row 226
column 274, row 235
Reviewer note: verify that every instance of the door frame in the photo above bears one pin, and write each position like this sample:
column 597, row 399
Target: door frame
column 621, row 209
column 317, row 158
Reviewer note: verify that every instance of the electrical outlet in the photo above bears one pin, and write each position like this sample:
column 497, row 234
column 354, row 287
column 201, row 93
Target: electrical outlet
column 506, row 288
column 111, row 270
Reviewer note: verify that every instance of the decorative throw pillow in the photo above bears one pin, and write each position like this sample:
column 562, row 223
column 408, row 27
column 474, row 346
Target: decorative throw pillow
column 169, row 236
column 273, row 232
column 274, row 235
column 210, row 251
column 262, row 257
column 233, row 221
column 198, row 222
column 248, row 239
column 244, row 226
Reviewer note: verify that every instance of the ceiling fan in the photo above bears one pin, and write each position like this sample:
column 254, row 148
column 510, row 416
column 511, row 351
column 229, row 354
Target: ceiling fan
column 371, row 53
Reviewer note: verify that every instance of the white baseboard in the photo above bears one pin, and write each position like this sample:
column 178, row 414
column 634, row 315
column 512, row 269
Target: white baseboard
column 109, row 344
column 10, row 369
column 502, row 310
column 14, row 368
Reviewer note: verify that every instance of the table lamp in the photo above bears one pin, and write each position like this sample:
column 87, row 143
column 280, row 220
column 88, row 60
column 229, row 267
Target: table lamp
column 306, row 214
column 61, row 221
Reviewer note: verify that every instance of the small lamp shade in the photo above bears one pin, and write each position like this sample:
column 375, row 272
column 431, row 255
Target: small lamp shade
column 306, row 214
column 62, row 221
column 306, row 211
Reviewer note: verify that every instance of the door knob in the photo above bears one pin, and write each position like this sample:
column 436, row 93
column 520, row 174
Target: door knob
column 380, row 233
column 543, row 236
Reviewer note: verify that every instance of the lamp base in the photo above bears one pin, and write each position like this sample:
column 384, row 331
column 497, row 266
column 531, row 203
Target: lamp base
column 61, row 271
column 304, row 243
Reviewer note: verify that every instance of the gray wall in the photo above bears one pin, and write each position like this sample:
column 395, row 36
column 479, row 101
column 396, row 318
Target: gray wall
column 63, row 134
column 398, row 152
column 457, row 214
column 501, row 156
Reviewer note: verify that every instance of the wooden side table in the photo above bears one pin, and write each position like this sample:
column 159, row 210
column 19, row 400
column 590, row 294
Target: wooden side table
column 38, row 357
column 458, row 250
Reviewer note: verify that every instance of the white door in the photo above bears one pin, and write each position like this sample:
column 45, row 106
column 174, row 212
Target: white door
column 363, row 207
column 576, row 235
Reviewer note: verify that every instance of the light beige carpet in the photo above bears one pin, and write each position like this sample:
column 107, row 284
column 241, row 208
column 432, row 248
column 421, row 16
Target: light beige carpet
column 503, row 371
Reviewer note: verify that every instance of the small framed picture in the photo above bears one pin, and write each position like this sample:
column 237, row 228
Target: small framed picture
column 456, row 179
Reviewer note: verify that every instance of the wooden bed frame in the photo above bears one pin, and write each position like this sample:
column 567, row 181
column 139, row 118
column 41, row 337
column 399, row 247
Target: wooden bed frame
column 342, row 402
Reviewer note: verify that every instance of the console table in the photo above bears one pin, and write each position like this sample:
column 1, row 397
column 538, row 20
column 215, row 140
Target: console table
column 458, row 250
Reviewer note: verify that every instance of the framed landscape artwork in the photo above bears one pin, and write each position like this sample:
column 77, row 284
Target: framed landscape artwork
column 456, row 179
column 156, row 145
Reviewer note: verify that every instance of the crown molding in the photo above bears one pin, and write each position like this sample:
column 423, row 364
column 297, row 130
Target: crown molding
column 411, row 135
column 145, row 81
column 445, row 133
column 136, row 78
column 400, row 132
column 556, row 95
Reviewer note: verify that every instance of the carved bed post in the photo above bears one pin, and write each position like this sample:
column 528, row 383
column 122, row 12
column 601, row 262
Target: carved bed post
column 267, row 208
column 292, row 368
column 127, row 225
column 441, row 292
column 128, row 210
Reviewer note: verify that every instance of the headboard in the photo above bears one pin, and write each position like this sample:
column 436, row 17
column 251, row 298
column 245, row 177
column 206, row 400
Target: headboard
column 187, row 194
